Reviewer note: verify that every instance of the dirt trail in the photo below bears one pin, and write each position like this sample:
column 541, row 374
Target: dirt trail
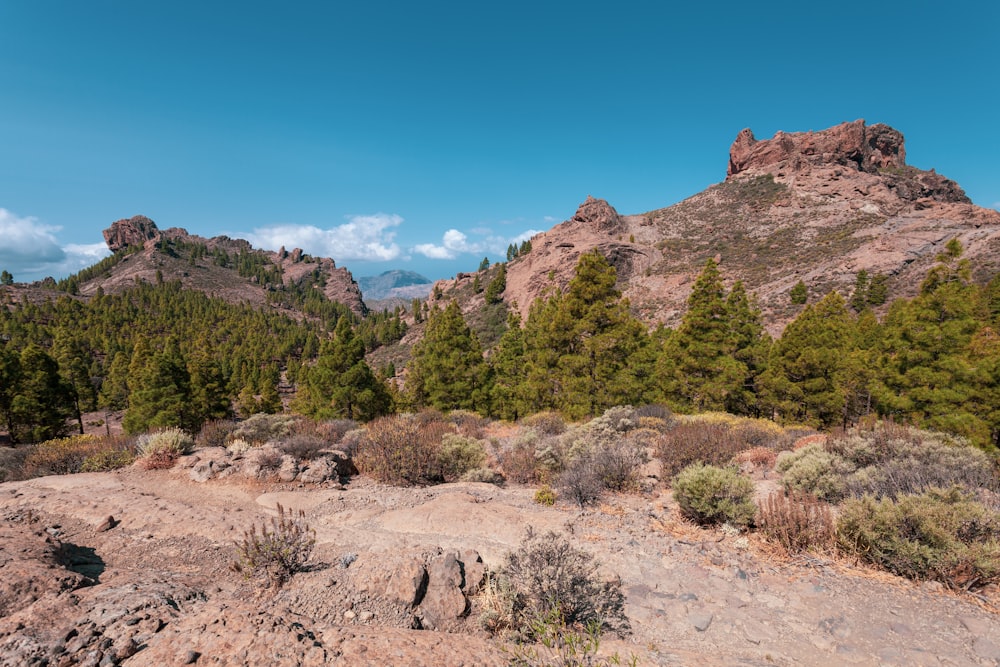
column 165, row 594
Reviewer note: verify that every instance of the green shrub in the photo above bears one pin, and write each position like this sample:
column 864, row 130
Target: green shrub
column 108, row 459
column 886, row 460
column 545, row 495
column 796, row 521
column 548, row 575
column 814, row 471
column 939, row 535
column 557, row 644
column 711, row 495
column 171, row 441
column 276, row 551
column 459, row 454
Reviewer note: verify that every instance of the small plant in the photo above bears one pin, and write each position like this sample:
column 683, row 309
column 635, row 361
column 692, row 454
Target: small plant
column 276, row 551
column 161, row 449
column 545, row 496
column 261, row 428
column 797, row 521
column 557, row 644
column 939, row 535
column 548, row 575
column 712, row 495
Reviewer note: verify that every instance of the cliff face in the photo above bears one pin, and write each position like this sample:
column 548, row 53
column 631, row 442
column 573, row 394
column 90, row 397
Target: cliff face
column 158, row 256
column 810, row 206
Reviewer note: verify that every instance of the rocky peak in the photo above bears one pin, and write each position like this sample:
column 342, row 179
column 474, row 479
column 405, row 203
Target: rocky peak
column 867, row 149
column 130, row 231
column 598, row 214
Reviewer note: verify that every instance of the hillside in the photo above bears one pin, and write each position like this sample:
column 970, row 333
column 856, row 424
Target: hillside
column 227, row 268
column 814, row 206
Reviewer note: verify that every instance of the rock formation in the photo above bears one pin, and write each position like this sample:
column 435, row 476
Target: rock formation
column 130, row 231
column 811, row 206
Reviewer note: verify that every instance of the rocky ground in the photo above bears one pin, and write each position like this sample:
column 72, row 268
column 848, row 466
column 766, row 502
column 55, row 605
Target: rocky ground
column 133, row 568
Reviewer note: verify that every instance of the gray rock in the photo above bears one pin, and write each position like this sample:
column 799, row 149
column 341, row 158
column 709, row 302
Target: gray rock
column 444, row 601
column 318, row 470
column 289, row 469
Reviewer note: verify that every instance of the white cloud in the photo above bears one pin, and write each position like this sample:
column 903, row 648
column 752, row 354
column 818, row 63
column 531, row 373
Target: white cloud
column 455, row 243
column 362, row 238
column 30, row 250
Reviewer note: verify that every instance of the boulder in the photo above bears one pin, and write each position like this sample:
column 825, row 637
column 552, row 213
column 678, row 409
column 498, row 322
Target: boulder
column 129, row 232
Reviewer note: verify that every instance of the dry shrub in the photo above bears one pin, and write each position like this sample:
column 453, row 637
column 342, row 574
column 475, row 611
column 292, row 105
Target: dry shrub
column 276, row 551
column 656, row 411
column 304, row 446
column 468, row 423
column 939, row 535
column 697, row 442
column 334, row 430
column 261, row 428
column 402, row 450
column 546, row 423
column 581, row 482
column 483, row 476
column 65, row 456
column 159, row 460
column 797, row 521
column 760, row 457
column 518, row 461
column 215, row 433
column 547, row 575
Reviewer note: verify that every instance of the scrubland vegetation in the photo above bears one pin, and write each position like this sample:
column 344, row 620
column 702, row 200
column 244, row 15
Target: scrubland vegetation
column 907, row 478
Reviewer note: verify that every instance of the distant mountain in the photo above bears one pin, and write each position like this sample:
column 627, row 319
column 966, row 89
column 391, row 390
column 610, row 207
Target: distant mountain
column 812, row 206
column 395, row 285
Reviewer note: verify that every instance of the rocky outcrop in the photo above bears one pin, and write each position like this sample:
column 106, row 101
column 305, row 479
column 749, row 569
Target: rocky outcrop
column 130, row 232
column 599, row 214
column 869, row 149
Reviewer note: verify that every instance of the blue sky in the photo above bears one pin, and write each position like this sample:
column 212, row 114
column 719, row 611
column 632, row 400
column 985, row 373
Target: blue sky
column 424, row 136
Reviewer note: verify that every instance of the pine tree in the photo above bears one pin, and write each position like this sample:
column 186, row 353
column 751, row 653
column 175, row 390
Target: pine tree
column 10, row 380
column 927, row 375
column 751, row 346
column 509, row 372
column 43, row 401
column 159, row 392
column 584, row 351
column 447, row 370
column 805, row 380
column 494, row 291
column 341, row 385
column 698, row 368
column 859, row 299
column 799, row 293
